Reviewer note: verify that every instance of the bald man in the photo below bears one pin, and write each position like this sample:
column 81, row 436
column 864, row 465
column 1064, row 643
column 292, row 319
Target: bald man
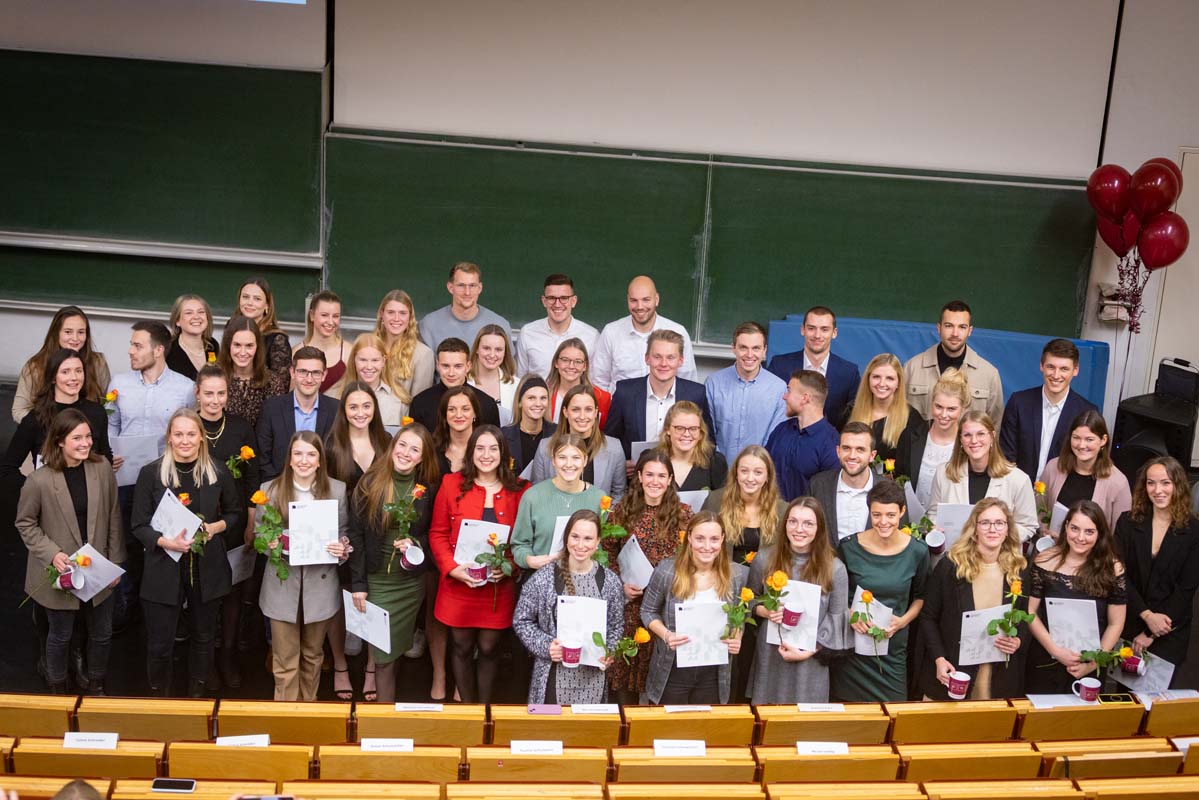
column 620, row 350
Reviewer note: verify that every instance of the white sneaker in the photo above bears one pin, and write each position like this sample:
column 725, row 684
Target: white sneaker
column 418, row 645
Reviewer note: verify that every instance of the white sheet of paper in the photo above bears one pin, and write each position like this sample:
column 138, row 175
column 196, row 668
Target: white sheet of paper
column 557, row 543
column 675, row 709
column 821, row 708
column 680, row 748
column 1158, row 673
column 806, row 598
column 138, row 451
column 594, row 708
column 246, row 740
column 863, row 644
column 1147, row 699
column 420, row 707
column 535, row 747
column 637, row 448
column 703, row 621
column 1073, row 624
column 976, row 646
column 1059, row 516
column 950, row 519
column 635, row 569
column 311, row 526
column 578, row 619
column 914, row 506
column 472, row 539
column 370, row 745
column 241, row 562
column 1056, row 700
column 96, row 575
column 374, row 625
column 171, row 517
column 89, row 740
column 822, row 748
column 694, row 499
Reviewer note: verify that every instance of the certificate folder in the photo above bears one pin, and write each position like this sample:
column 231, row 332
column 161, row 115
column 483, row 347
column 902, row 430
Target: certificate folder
column 573, row 730
column 276, row 762
column 160, row 719
column 976, row 721
column 301, row 723
column 859, row 723
column 722, row 725
column 426, row 763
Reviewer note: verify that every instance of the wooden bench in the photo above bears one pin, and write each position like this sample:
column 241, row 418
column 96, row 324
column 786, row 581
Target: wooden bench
column 341, row 790
column 278, row 762
column 139, row 789
column 36, row 714
column 38, row 755
column 497, row 764
column 720, row 765
column 574, row 730
column 868, row 762
column 1173, row 718
column 845, row 791
column 454, row 725
column 1109, row 758
column 426, row 763
column 656, row 791
column 977, row 721
column 301, row 723
column 523, row 791
column 30, row 787
column 859, row 723
column 1102, row 721
column 723, row 725
column 6, row 745
column 159, row 719
column 1179, row 787
column 999, row 790
column 954, row 762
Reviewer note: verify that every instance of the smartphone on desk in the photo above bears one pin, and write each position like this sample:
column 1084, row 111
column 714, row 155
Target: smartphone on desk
column 173, row 785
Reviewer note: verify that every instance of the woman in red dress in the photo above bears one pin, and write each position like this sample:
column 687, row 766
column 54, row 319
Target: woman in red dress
column 477, row 612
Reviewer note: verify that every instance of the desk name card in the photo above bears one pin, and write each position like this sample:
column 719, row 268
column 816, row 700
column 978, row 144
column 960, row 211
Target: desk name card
column 821, row 708
column 249, row 740
column 434, row 707
column 386, row 745
column 680, row 748
column 89, row 741
column 595, row 708
column 535, row 747
column 684, row 709
column 822, row 748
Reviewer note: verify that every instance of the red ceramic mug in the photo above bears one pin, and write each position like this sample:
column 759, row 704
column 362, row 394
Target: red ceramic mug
column 478, row 572
column 791, row 617
column 1087, row 689
column 572, row 651
column 71, row 579
column 959, row 685
column 413, row 557
column 936, row 542
column 1134, row 665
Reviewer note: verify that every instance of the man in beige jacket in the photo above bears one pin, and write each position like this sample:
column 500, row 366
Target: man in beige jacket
column 923, row 369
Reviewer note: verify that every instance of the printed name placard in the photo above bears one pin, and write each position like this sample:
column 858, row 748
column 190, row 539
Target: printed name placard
column 535, row 747
column 684, row 709
column 822, row 748
column 680, row 748
column 386, row 745
column 822, row 708
column 434, row 707
column 249, row 740
column 89, row 741
column 595, row 708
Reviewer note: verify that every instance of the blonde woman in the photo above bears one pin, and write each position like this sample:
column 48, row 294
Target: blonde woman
column 201, row 579
column 749, row 506
column 192, row 345
column 927, row 445
column 367, row 364
column 880, row 403
column 686, row 441
column 493, row 370
column 978, row 469
column 978, row 572
column 409, row 367
column 322, row 330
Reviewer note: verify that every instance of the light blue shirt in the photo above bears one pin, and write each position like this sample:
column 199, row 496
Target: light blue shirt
column 305, row 422
column 143, row 409
column 744, row 412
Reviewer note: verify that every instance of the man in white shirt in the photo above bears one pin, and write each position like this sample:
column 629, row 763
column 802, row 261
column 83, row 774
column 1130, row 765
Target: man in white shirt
column 539, row 339
column 842, row 492
column 620, row 351
column 464, row 316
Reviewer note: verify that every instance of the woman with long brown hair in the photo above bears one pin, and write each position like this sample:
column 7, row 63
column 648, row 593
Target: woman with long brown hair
column 243, row 358
column 605, row 457
column 69, row 330
column 256, row 302
column 1084, row 470
column 803, row 552
column 699, row 570
column 410, row 363
column 458, row 414
column 1084, row 565
column 570, row 368
column 493, row 368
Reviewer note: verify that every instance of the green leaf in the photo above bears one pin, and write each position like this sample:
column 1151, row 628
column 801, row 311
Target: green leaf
column 993, row 627
column 506, row 568
column 599, row 640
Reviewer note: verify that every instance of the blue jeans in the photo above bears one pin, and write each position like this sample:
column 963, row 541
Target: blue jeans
column 99, row 639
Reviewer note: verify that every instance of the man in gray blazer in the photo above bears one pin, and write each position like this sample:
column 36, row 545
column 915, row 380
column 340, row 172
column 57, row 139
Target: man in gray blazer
column 842, row 492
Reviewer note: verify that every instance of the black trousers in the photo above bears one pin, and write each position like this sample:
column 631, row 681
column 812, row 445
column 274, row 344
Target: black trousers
column 162, row 621
column 692, row 686
column 99, row 638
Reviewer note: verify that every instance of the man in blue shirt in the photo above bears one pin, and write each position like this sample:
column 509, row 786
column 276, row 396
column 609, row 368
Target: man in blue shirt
column 745, row 400
column 304, row 409
column 806, row 443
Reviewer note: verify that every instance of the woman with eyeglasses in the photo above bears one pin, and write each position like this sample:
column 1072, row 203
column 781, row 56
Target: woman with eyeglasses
column 685, row 439
column 570, row 368
column 192, row 345
column 977, row 573
column 605, row 457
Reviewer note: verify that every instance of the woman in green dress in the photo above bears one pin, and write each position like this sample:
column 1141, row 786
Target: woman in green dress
column 384, row 564
column 893, row 567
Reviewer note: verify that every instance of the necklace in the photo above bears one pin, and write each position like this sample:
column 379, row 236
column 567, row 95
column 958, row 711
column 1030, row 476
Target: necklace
column 212, row 437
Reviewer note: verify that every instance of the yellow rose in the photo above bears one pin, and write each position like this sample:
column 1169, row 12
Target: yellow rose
column 1017, row 587
column 867, row 596
column 111, row 396
column 641, row 636
column 1039, row 487
column 212, row 358
column 1126, row 652
column 906, row 530
column 246, row 453
column 750, row 556
column 258, row 498
column 889, row 465
column 747, row 594
column 605, row 503
column 406, row 421
column 778, row 581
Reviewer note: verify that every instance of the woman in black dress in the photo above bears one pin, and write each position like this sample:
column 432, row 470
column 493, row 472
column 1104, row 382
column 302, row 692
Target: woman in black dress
column 255, row 301
column 192, row 345
column 529, row 421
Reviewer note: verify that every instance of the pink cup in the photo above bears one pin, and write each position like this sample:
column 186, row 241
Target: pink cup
column 413, row 557
column 571, row 653
column 71, row 579
column 285, row 543
column 478, row 572
column 1134, row 665
column 1087, row 689
column 791, row 617
column 959, row 686
column 935, row 541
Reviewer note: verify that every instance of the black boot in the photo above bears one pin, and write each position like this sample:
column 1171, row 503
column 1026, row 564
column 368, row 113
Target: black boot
column 196, row 688
column 79, row 668
column 228, row 668
column 95, row 688
column 58, row 688
column 160, row 691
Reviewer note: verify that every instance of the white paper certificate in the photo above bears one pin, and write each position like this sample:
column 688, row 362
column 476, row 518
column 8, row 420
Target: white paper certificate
column 864, row 644
column 637, row 448
column 138, row 451
column 804, row 597
column 96, row 575
column 373, row 625
column 557, row 543
column 915, row 507
column 472, row 539
column 172, row 517
column 977, row 647
column 694, row 499
column 702, row 621
column 578, row 619
column 635, row 569
column 950, row 519
column 1059, row 517
column 1073, row 624
column 241, row 562
column 311, row 526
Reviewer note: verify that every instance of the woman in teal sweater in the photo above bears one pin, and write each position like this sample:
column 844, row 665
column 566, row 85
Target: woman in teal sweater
column 543, row 505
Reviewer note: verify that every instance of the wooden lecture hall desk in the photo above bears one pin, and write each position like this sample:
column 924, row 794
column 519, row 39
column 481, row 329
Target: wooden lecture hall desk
column 720, row 765
column 136, row 718
column 853, row 723
column 342, row 790
column 425, row 764
column 863, row 762
column 716, row 725
column 299, row 723
column 579, row 730
column 36, row 714
column 455, row 725
column 498, row 764
column 44, row 755
column 276, row 762
column 979, row 721
column 139, row 789
column 43, row 788
column 1110, row 721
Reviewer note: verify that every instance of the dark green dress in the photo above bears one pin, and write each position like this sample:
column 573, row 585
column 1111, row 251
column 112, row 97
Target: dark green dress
column 896, row 582
column 399, row 591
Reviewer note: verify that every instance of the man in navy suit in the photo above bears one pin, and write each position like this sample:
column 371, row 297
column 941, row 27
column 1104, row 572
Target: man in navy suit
column 1036, row 420
column 639, row 405
column 304, row 409
column 819, row 330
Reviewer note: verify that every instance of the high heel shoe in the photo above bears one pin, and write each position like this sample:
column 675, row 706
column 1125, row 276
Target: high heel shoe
column 344, row 695
column 371, row 695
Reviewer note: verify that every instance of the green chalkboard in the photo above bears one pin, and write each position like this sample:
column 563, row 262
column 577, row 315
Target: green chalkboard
column 160, row 152
column 401, row 214
column 895, row 248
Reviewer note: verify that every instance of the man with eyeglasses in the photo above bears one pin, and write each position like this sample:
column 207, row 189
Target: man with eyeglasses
column 303, row 409
column 842, row 492
column 540, row 339
column 463, row 317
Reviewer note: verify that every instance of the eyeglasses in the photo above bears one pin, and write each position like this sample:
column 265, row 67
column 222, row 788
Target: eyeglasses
column 557, row 301
column 804, row 525
column 563, row 361
column 305, row 374
column 685, row 430
column 991, row 524
column 468, row 287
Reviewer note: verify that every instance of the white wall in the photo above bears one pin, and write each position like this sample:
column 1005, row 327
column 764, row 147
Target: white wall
column 237, row 32
column 1013, row 87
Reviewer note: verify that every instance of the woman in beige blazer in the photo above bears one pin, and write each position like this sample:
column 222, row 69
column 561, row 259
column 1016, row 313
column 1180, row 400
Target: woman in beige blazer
column 70, row 502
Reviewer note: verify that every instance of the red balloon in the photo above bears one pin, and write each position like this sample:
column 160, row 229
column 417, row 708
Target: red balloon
column 1163, row 240
column 1154, row 190
column 1108, row 191
column 1170, row 165
column 1120, row 238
